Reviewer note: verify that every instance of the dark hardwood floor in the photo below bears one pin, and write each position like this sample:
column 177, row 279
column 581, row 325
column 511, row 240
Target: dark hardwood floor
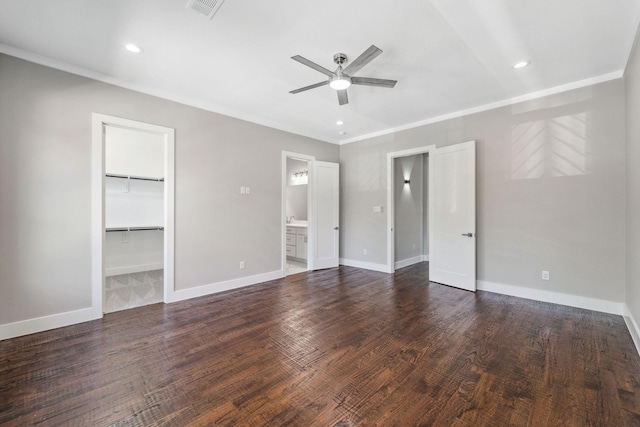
column 341, row 347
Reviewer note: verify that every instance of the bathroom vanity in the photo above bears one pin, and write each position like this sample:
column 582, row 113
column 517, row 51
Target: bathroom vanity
column 297, row 240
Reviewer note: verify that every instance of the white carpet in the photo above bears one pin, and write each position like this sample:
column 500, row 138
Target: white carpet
column 133, row 290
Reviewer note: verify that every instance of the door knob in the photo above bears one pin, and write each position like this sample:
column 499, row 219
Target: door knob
column 467, row 234
column 336, row 228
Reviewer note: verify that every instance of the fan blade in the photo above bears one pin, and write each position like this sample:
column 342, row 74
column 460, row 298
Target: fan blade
column 313, row 65
column 362, row 60
column 302, row 89
column 342, row 97
column 368, row 81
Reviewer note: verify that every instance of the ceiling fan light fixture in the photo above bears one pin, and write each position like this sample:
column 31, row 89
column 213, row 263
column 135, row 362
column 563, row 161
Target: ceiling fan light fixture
column 340, row 82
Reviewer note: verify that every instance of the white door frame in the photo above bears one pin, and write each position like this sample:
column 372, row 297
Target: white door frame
column 391, row 267
column 311, row 238
column 99, row 121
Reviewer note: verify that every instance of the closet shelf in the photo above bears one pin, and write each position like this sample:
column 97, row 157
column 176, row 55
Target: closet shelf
column 141, row 178
column 152, row 228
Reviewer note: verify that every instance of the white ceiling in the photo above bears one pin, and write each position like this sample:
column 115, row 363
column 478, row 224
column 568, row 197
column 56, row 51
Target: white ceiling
column 447, row 55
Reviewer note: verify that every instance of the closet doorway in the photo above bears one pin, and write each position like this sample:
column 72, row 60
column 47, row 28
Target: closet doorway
column 296, row 209
column 133, row 198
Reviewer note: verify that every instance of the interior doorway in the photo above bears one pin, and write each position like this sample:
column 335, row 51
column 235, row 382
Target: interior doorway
column 297, row 196
column 451, row 214
column 133, row 194
column 319, row 233
column 410, row 165
column 411, row 210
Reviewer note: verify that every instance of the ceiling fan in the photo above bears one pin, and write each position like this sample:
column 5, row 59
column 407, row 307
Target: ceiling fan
column 341, row 79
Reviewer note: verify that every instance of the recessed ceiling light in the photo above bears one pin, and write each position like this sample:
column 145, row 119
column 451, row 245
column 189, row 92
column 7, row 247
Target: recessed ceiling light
column 339, row 122
column 134, row 48
column 342, row 132
column 521, row 64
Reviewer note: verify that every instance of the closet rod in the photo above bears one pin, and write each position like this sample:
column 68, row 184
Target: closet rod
column 134, row 229
column 141, row 178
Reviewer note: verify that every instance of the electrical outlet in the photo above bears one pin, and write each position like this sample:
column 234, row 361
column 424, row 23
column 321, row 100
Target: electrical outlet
column 364, row 252
column 545, row 275
column 241, row 265
column 248, row 190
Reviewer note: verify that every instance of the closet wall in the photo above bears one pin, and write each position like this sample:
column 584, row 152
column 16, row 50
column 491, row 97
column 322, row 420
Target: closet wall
column 134, row 200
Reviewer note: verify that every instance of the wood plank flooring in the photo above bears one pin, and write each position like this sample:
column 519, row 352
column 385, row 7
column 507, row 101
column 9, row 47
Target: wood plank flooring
column 340, row 347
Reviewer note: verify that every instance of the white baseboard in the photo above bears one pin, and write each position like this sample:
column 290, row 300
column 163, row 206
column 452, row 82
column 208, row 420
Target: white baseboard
column 115, row 271
column 409, row 261
column 45, row 323
column 363, row 264
column 578, row 301
column 632, row 325
column 213, row 288
column 425, row 257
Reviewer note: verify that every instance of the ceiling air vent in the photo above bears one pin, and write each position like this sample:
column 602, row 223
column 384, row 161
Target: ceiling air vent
column 207, row 8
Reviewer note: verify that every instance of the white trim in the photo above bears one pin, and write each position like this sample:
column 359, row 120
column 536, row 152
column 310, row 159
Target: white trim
column 97, row 214
column 169, row 210
column 215, row 108
column 364, row 265
column 390, row 267
column 45, row 323
column 409, row 261
column 213, row 288
column 578, row 301
column 115, row 271
column 99, row 121
column 186, row 100
column 504, row 103
column 425, row 257
column 310, row 204
column 632, row 325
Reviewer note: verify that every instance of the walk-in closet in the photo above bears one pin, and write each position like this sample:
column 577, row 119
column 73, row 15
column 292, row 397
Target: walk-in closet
column 134, row 218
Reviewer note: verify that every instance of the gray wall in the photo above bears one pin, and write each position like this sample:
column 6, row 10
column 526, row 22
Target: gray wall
column 550, row 190
column 45, row 193
column 632, row 82
column 408, row 207
column 297, row 195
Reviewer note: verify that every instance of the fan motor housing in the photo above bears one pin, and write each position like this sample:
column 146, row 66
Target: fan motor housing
column 340, row 58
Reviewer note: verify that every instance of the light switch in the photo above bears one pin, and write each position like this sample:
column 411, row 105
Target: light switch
column 243, row 190
column 248, row 190
column 377, row 209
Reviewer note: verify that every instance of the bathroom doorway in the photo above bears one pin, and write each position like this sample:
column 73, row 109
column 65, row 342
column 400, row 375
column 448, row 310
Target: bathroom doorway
column 296, row 210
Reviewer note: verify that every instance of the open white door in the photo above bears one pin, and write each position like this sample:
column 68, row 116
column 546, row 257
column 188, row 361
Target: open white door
column 326, row 219
column 452, row 216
